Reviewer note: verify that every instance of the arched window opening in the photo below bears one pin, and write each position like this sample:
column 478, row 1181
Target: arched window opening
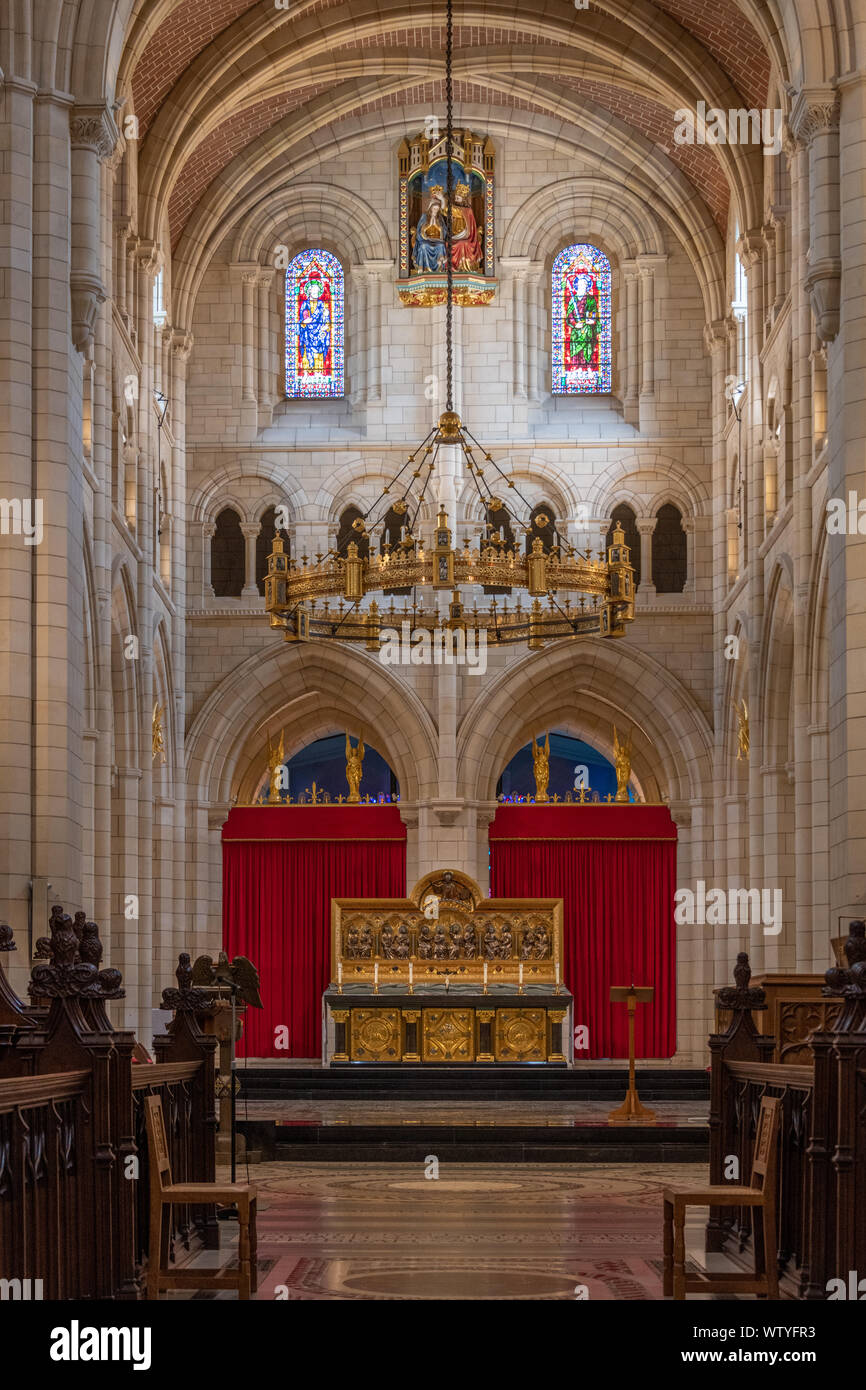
column 581, row 321
column 347, row 533
column 669, row 551
column 391, row 536
column 265, row 544
column 227, row 555
column 623, row 515
column 542, row 527
column 574, row 765
column 501, row 535
column 314, row 326
column 323, row 763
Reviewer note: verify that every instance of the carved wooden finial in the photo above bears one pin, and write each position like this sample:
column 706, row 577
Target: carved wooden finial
column 850, row 980
column 741, row 997
column 73, row 951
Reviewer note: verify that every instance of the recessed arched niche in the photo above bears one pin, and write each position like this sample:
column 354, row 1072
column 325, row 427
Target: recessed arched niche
column 573, row 763
column 323, row 763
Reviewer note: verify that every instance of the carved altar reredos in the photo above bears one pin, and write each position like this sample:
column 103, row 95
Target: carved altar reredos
column 468, row 930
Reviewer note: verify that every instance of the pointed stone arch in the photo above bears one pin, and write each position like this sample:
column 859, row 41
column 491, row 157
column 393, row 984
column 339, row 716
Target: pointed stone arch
column 584, row 689
column 314, row 690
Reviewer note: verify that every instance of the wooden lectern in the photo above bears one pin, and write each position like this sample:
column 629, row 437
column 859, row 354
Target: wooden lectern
column 631, row 1109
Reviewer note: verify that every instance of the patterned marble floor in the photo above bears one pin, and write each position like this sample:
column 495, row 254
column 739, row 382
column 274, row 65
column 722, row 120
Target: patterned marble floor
column 479, row 1231
column 471, row 1112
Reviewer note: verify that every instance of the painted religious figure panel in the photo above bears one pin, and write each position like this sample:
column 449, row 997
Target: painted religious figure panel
column 314, row 326
column 581, row 321
column 427, row 215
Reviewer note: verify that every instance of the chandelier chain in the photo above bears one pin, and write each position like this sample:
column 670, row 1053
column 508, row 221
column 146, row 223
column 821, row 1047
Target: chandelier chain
column 449, row 181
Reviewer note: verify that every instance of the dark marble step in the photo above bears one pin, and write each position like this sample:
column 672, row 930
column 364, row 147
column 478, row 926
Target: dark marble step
column 495, row 1143
column 360, row 1082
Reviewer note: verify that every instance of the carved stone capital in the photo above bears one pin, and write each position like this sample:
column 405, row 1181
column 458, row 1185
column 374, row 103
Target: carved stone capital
column 181, row 344
column 149, row 255
column 750, row 246
column 814, row 113
column 823, row 285
column 87, row 294
column 716, row 335
column 648, row 264
column 93, row 128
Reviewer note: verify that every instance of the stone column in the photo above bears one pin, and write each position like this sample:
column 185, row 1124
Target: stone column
column 648, row 267
column 516, row 270
column 631, row 335
column 357, row 346
column 375, row 272
column 17, row 559
column 768, row 233
column 93, row 136
column 716, row 341
column 815, row 124
column 181, row 348
column 246, row 275
column 751, row 405
column 265, row 284
column 208, row 531
column 801, row 424
column 535, row 391
column 646, row 526
column 250, row 532
column 690, row 526
column 846, row 452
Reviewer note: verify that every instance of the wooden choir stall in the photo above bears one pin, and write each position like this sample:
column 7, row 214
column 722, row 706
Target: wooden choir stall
column 446, row 976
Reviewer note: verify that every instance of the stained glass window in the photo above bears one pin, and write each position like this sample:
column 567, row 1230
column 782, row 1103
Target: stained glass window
column 581, row 320
column 314, row 326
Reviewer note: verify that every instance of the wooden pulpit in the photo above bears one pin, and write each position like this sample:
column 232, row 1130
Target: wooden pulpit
column 631, row 1111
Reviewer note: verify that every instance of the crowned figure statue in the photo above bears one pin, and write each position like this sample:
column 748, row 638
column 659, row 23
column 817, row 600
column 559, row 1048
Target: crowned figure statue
column 428, row 250
column 465, row 235
column 622, row 763
column 541, row 768
column 743, row 739
column 276, row 757
column 354, row 769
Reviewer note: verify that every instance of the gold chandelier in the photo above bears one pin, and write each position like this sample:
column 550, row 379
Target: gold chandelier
column 299, row 597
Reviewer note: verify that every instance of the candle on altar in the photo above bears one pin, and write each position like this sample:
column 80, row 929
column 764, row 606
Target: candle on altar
column 340, row 974
column 485, row 977
column 556, row 972
column 520, row 974
column 376, row 974
column 411, row 976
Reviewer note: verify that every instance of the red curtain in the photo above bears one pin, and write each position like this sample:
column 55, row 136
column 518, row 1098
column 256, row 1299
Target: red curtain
column 281, row 867
column 615, row 869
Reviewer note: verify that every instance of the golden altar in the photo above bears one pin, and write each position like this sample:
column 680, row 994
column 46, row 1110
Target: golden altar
column 447, row 976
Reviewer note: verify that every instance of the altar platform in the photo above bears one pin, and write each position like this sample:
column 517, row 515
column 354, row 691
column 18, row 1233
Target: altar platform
column 434, row 1025
column 470, row 1113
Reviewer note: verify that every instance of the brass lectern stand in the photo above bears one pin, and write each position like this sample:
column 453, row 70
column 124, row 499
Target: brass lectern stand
column 631, row 1111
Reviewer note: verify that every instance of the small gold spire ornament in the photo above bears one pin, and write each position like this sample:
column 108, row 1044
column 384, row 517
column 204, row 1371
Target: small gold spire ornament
column 622, row 763
column 742, row 712
column 354, row 769
column 541, row 768
column 276, row 757
column 157, row 739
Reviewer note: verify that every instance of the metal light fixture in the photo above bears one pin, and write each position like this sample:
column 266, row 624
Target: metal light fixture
column 299, row 597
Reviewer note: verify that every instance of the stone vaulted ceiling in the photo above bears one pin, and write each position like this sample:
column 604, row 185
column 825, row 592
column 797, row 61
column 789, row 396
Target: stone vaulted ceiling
column 209, row 78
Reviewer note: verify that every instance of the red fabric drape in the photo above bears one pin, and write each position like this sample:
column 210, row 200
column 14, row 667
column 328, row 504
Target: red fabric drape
column 280, row 873
column 618, row 909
